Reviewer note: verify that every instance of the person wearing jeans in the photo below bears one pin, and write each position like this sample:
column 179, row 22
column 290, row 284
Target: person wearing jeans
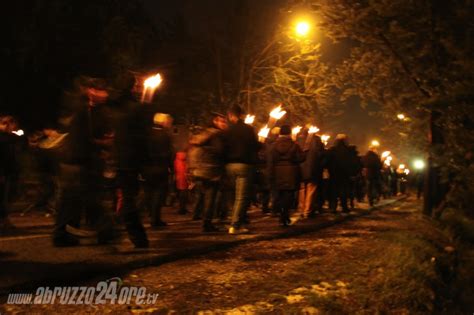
column 240, row 149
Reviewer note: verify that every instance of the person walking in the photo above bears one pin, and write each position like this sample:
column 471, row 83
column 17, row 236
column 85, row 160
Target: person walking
column 208, row 168
column 240, row 151
column 284, row 172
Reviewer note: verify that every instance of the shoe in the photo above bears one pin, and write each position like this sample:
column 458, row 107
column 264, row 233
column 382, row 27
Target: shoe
column 210, row 228
column 65, row 240
column 235, row 231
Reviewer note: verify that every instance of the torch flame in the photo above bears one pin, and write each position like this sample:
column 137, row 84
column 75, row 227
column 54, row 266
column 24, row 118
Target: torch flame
column 313, row 129
column 325, row 139
column 401, row 166
column 18, row 132
column 296, row 130
column 277, row 113
column 385, row 154
column 249, row 119
column 375, row 143
column 407, row 171
column 387, row 161
column 150, row 85
column 263, row 133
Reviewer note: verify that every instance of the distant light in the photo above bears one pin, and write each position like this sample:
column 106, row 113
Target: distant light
column 249, row 119
column 313, row 129
column 302, row 28
column 419, row 164
column 401, row 116
column 407, row 171
column 387, row 161
column 401, row 166
column 375, row 143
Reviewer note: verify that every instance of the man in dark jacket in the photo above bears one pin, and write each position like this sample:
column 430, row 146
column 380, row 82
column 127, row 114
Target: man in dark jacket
column 284, row 161
column 311, row 176
column 208, row 166
column 340, row 171
column 240, row 149
column 80, row 169
column 373, row 168
column 158, row 165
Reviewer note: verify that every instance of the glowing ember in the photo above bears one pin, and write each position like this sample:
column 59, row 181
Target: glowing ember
column 313, row 129
column 150, row 85
column 249, row 119
column 277, row 113
column 18, row 132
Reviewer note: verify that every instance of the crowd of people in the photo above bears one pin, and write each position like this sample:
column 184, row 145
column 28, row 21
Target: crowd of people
column 116, row 149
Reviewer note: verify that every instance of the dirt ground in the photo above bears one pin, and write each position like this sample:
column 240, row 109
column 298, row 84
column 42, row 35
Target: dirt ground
column 391, row 261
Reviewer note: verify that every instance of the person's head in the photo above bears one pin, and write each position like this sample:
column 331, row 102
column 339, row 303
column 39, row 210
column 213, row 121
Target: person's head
column 341, row 139
column 219, row 121
column 285, row 130
column 234, row 114
column 8, row 124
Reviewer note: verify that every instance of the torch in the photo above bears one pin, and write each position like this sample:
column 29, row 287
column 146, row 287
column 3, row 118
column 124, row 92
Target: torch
column 311, row 131
column 263, row 134
column 295, row 131
column 275, row 114
column 325, row 139
column 249, row 119
column 149, row 87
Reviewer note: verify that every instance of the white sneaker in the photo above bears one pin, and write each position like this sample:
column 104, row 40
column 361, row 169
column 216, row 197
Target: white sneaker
column 233, row 230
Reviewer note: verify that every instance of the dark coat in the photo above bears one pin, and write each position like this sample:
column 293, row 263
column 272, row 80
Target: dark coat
column 206, row 159
column 284, row 161
column 373, row 165
column 312, row 167
column 240, row 144
column 340, row 162
column 7, row 154
column 159, row 155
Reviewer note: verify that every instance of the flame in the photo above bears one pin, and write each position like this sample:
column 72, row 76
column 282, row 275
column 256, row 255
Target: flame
column 313, row 129
column 375, row 143
column 150, row 85
column 385, row 154
column 389, row 158
column 263, row 133
column 296, row 130
column 387, row 161
column 18, row 132
column 401, row 166
column 407, row 171
column 325, row 139
column 153, row 82
column 401, row 116
column 277, row 113
column 249, row 119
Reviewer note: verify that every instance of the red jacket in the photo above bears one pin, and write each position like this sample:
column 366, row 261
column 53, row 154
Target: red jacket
column 180, row 171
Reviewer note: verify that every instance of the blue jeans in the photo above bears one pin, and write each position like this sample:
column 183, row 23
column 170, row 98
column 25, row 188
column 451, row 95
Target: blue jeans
column 241, row 175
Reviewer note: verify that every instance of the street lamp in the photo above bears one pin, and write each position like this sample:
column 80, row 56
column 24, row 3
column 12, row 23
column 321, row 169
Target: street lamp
column 401, row 116
column 419, row 164
column 302, row 28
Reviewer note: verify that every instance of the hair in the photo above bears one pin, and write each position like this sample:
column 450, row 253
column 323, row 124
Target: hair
column 235, row 110
column 285, row 130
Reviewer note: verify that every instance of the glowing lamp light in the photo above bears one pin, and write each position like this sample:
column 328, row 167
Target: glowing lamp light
column 385, row 154
column 277, row 113
column 401, row 116
column 313, row 129
column 401, row 166
column 419, row 164
column 249, row 119
column 302, row 28
column 18, row 132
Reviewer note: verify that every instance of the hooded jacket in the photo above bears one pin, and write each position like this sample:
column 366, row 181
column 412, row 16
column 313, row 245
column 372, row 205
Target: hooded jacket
column 284, row 161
